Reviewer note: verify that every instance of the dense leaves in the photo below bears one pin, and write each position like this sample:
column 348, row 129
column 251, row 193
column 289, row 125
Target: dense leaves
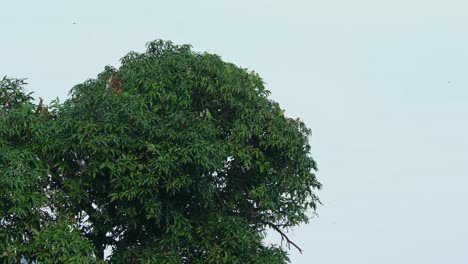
column 174, row 157
column 31, row 225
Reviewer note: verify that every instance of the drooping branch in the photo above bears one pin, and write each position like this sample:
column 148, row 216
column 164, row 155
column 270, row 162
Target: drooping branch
column 284, row 236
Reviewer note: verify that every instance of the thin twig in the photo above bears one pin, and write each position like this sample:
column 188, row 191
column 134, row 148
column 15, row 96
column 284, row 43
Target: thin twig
column 284, row 236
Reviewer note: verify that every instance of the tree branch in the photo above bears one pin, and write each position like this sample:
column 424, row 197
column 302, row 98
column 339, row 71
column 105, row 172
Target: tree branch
column 284, row 236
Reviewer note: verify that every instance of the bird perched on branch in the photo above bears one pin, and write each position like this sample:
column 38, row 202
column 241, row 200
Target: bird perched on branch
column 114, row 83
column 40, row 108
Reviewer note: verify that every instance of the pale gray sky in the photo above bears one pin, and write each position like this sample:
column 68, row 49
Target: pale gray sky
column 382, row 84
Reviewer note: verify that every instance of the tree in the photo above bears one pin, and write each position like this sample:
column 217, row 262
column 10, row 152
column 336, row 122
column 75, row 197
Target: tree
column 174, row 157
column 31, row 225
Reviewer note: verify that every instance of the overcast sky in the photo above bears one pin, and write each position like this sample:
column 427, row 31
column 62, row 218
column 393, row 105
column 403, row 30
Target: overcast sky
column 382, row 84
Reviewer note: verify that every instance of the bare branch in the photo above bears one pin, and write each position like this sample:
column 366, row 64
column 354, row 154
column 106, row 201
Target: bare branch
column 284, row 236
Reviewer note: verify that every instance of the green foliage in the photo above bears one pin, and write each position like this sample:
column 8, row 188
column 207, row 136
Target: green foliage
column 174, row 157
column 30, row 223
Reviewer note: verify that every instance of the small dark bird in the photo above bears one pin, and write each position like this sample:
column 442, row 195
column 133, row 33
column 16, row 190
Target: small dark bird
column 74, row 23
column 40, row 107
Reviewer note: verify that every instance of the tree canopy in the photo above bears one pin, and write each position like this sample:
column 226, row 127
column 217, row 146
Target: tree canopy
column 174, row 157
